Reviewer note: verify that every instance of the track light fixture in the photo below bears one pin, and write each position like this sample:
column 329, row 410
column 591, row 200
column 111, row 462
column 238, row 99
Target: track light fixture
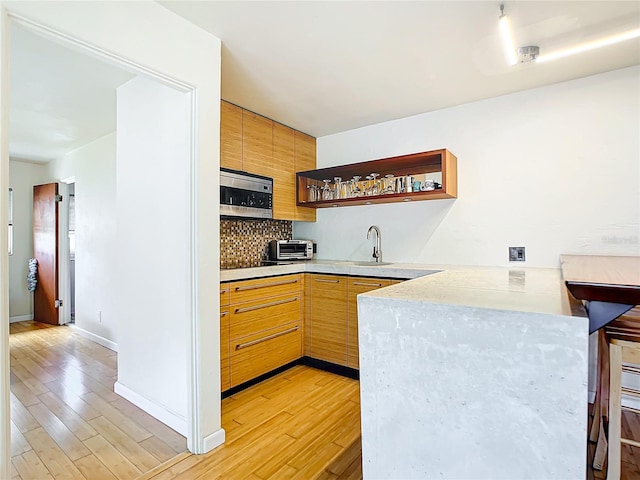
column 504, row 24
column 532, row 53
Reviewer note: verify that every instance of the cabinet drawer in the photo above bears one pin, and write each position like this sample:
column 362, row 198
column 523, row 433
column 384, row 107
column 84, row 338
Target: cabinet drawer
column 260, row 353
column 249, row 318
column 225, row 381
column 224, row 294
column 261, row 288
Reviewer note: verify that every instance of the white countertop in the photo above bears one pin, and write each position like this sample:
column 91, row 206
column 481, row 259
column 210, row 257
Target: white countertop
column 335, row 267
column 534, row 290
column 537, row 290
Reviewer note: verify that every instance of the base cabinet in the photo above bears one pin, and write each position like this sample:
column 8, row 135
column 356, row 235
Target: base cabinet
column 225, row 378
column 328, row 318
column 266, row 323
column 265, row 326
column 331, row 321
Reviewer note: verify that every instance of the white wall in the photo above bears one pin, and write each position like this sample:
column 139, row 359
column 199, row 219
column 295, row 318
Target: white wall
column 22, row 177
column 555, row 169
column 143, row 36
column 152, row 276
column 94, row 169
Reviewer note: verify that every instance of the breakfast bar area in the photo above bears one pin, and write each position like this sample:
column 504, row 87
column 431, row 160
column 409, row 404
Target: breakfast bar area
column 474, row 372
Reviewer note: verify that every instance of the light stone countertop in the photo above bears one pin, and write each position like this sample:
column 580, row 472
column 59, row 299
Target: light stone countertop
column 331, row 267
column 525, row 289
column 534, row 290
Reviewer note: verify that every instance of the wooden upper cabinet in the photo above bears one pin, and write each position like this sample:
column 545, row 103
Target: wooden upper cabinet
column 305, row 159
column 252, row 143
column 257, row 144
column 230, row 136
column 284, row 174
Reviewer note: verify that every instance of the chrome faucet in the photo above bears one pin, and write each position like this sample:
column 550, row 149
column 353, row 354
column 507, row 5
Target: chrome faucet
column 377, row 249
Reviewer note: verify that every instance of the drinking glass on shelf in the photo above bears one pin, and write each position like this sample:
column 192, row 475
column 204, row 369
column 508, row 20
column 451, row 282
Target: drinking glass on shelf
column 337, row 193
column 389, row 184
column 313, row 193
column 368, row 185
column 327, row 191
column 375, row 187
column 356, row 191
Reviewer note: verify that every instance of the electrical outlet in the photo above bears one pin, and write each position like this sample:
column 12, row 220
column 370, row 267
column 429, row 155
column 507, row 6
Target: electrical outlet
column 516, row 254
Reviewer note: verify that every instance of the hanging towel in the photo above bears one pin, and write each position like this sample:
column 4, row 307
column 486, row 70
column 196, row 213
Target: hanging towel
column 32, row 276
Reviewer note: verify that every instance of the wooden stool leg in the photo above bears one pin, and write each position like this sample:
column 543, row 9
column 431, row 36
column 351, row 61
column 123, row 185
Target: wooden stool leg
column 595, row 424
column 615, row 412
column 601, row 448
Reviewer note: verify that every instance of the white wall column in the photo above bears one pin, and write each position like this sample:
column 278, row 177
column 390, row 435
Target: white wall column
column 141, row 36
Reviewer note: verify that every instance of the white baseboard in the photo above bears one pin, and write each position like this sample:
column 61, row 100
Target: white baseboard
column 96, row 338
column 172, row 420
column 214, row 440
column 21, row 318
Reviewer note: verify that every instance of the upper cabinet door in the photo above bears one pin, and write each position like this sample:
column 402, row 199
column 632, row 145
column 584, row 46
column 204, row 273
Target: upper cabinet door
column 305, row 159
column 284, row 175
column 230, row 136
column 257, row 144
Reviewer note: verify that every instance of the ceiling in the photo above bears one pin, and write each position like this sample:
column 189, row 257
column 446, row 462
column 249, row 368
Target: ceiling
column 59, row 99
column 325, row 67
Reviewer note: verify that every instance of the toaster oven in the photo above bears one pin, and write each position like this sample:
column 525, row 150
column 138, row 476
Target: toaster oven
column 291, row 250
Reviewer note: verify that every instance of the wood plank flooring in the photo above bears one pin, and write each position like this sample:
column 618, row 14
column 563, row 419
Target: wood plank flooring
column 66, row 421
column 301, row 424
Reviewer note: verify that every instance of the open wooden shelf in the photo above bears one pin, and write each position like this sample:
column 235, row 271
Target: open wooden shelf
column 416, row 164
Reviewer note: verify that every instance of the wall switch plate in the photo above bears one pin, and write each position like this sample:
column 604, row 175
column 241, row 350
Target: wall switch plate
column 516, row 254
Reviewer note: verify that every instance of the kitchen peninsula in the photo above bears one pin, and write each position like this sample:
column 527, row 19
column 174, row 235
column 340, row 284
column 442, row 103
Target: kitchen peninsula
column 474, row 372
column 466, row 372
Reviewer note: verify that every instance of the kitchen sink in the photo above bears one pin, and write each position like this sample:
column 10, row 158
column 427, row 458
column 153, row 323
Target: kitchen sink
column 366, row 264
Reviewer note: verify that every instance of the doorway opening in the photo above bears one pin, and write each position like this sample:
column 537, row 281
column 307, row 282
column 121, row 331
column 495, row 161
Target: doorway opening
column 71, row 235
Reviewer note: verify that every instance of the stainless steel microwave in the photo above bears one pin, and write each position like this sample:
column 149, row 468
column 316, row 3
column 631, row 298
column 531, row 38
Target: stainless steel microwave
column 245, row 195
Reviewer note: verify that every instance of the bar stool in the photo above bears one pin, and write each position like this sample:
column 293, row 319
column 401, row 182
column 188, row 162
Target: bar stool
column 623, row 336
column 618, row 342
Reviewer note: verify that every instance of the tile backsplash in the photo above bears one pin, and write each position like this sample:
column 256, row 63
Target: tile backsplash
column 244, row 243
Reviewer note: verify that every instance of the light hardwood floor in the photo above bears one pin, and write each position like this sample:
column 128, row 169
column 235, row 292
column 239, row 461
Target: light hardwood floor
column 66, row 422
column 303, row 423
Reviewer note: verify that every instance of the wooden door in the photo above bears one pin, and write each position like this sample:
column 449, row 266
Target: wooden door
column 355, row 287
column 45, row 250
column 305, row 159
column 329, row 318
column 284, row 176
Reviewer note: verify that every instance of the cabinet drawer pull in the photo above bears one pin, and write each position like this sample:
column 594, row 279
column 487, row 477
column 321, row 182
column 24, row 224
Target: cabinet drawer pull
column 366, row 284
column 223, row 290
column 264, row 339
column 265, row 305
column 326, row 281
column 264, row 285
column 223, row 314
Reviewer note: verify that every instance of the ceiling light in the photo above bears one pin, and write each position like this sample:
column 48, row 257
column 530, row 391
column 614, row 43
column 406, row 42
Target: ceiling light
column 584, row 47
column 507, row 38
